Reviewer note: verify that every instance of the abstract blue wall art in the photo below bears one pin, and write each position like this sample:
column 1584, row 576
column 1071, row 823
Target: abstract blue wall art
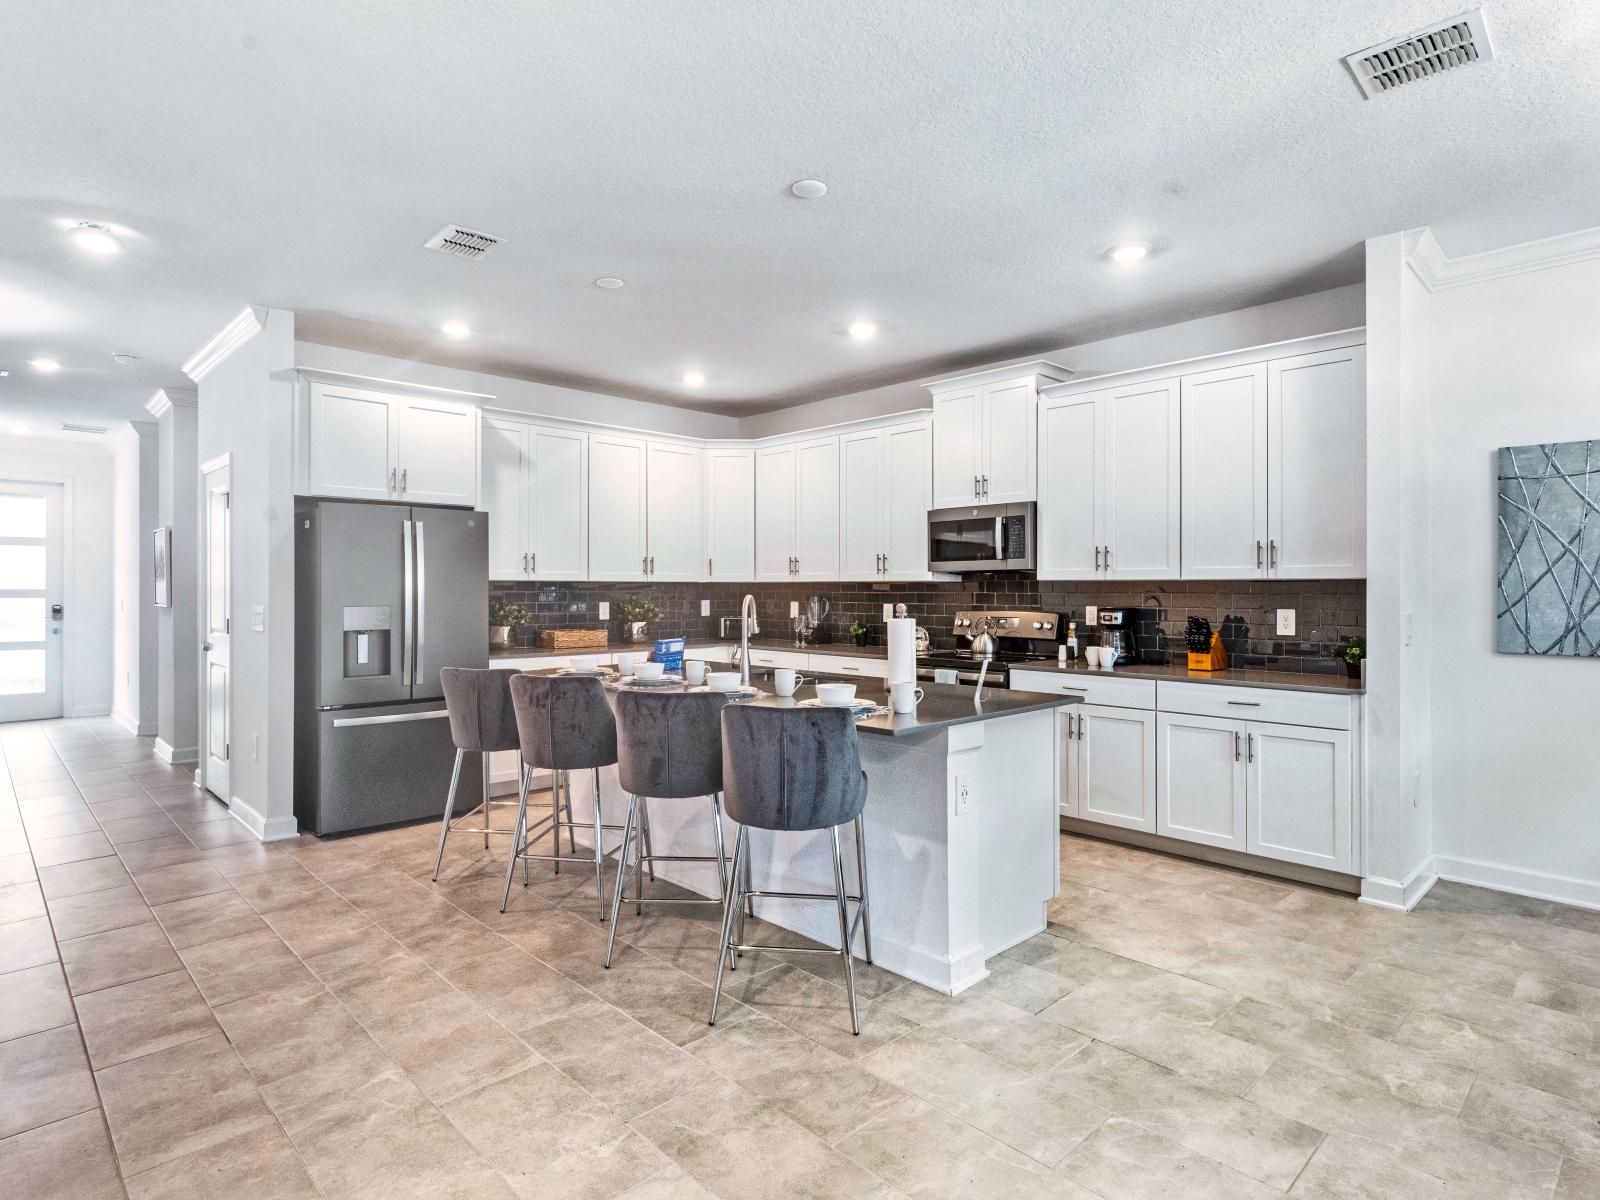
column 1548, row 599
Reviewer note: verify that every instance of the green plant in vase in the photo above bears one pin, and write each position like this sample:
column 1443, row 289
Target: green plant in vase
column 1351, row 651
column 860, row 632
column 504, row 616
column 637, row 613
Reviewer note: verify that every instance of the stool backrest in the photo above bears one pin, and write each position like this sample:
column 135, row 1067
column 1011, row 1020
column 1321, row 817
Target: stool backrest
column 479, row 701
column 669, row 743
column 564, row 722
column 791, row 768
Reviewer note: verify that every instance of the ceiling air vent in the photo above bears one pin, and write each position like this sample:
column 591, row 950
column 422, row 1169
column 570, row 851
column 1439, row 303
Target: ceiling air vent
column 463, row 243
column 1432, row 51
column 69, row 427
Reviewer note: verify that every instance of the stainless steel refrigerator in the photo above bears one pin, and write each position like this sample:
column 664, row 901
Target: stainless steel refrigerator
column 385, row 596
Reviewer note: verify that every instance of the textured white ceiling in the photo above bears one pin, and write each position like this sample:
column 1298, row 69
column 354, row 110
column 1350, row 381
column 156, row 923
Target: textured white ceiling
column 980, row 158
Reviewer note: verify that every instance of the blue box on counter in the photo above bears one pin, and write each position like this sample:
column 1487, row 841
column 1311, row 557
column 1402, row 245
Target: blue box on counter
column 669, row 653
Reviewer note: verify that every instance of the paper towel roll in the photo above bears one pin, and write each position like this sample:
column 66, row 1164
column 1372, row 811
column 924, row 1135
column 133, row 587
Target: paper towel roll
column 902, row 639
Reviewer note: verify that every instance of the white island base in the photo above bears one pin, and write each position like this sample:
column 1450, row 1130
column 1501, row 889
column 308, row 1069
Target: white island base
column 962, row 840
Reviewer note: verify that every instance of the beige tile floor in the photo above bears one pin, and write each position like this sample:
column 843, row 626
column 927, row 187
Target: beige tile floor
column 185, row 1013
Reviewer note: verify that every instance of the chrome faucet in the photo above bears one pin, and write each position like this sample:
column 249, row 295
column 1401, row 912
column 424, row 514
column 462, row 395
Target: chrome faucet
column 747, row 625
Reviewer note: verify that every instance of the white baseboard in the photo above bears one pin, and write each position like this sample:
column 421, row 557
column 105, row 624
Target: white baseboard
column 89, row 710
column 1582, row 893
column 177, row 758
column 1401, row 895
column 275, row 830
column 132, row 724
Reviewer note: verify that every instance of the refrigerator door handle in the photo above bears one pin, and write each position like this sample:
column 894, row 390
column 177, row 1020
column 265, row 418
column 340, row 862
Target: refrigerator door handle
column 390, row 718
column 422, row 606
column 408, row 615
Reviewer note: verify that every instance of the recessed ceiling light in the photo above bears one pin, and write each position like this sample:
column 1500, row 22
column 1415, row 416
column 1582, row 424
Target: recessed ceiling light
column 862, row 331
column 96, row 239
column 693, row 378
column 456, row 329
column 809, row 189
column 19, row 429
column 1129, row 252
column 608, row 282
column 44, row 365
column 3, row 374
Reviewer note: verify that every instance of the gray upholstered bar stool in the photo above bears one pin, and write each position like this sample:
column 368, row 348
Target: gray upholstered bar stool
column 794, row 770
column 669, row 747
column 481, row 722
column 564, row 724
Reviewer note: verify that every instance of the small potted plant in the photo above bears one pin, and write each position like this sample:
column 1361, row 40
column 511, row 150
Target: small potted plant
column 859, row 632
column 1352, row 651
column 504, row 616
column 638, row 612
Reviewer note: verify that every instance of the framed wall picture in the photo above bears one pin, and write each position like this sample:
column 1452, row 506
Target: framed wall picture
column 164, row 567
column 1547, row 597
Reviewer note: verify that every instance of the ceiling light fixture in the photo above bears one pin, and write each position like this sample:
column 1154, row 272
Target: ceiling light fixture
column 44, row 366
column 96, row 239
column 693, row 378
column 19, row 429
column 809, row 189
column 862, row 331
column 608, row 282
column 456, row 329
column 1127, row 253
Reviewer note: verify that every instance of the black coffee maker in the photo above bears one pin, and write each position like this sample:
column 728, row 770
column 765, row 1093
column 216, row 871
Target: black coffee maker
column 1119, row 632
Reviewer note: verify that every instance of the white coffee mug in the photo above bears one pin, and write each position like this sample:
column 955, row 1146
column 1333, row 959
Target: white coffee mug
column 626, row 663
column 694, row 671
column 649, row 670
column 785, row 681
column 723, row 681
column 904, row 696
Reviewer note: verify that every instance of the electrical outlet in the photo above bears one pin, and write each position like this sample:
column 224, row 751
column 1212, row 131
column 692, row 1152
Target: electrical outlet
column 705, row 608
column 888, row 612
column 963, row 795
column 605, row 610
column 1091, row 614
column 255, row 747
column 258, row 618
column 794, row 608
column 1286, row 622
column 1409, row 626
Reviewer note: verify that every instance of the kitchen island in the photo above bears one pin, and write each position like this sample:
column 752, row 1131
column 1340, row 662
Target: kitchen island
column 960, row 824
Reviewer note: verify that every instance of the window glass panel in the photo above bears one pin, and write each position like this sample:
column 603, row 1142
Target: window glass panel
column 21, row 568
column 21, row 516
column 21, row 619
column 21, row 672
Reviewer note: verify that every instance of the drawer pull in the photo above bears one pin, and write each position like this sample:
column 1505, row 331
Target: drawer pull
column 1245, row 703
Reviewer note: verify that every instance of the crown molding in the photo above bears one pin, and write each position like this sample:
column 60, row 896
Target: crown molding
column 250, row 321
column 166, row 399
column 1437, row 271
column 1048, row 372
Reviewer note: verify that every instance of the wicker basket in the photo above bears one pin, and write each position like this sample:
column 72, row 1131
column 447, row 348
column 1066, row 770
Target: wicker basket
column 573, row 639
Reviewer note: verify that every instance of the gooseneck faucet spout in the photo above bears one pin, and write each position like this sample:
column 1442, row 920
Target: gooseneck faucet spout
column 747, row 625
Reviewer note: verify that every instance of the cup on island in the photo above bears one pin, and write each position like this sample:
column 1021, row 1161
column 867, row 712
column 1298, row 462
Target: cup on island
column 836, row 695
column 723, row 681
column 649, row 670
column 694, row 671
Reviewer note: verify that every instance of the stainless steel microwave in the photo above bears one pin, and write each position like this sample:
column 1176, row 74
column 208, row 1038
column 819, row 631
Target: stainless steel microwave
column 981, row 537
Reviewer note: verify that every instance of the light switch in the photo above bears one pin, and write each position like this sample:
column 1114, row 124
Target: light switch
column 258, row 618
column 1091, row 614
column 888, row 613
column 1286, row 622
column 605, row 610
column 794, row 608
column 705, row 608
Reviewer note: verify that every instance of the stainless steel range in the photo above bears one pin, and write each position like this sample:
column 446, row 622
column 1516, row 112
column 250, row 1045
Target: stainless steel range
column 1014, row 638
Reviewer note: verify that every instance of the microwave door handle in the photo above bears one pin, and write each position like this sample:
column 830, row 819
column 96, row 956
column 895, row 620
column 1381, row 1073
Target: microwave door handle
column 999, row 538
column 408, row 617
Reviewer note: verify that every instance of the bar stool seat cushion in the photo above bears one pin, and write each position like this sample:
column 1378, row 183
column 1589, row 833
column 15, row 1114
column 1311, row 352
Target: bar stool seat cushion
column 481, row 714
column 563, row 722
column 791, row 769
column 669, row 743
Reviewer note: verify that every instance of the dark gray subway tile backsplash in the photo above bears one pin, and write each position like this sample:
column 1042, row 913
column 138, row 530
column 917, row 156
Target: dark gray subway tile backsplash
column 1327, row 610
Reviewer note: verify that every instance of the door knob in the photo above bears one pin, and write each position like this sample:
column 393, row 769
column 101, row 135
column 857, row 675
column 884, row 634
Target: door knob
column 205, row 646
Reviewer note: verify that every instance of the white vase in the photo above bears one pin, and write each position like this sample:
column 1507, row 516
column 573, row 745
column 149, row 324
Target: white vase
column 500, row 635
column 636, row 631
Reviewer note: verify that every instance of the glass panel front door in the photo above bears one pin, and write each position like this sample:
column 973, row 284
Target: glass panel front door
column 30, row 599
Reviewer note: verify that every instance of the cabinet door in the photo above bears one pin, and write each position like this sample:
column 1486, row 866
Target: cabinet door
column 908, row 480
column 816, row 539
column 507, row 492
column 862, row 488
column 730, row 513
column 1117, row 766
column 1224, row 454
column 1140, row 527
column 1300, row 799
column 1317, row 465
column 776, row 495
column 1009, row 415
column 1201, row 789
column 1070, row 487
column 675, row 522
column 436, row 449
column 1070, row 804
column 559, row 546
column 616, row 507
column 351, row 444
column 957, row 463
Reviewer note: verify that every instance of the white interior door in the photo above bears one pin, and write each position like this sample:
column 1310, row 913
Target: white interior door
column 30, row 598
column 215, row 650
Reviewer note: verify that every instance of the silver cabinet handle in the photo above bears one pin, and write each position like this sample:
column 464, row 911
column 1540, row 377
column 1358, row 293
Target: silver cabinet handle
column 1272, row 554
column 976, row 491
column 524, row 562
column 1108, row 558
column 1236, row 750
column 394, row 475
column 709, row 571
column 985, row 487
column 1250, row 743
column 533, row 562
column 1259, row 549
column 1080, row 727
column 1245, row 703
column 1097, row 558
column 652, row 564
column 403, row 474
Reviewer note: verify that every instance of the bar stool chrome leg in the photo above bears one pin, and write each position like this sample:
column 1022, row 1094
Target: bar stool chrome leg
column 741, row 844
column 517, row 845
column 844, row 931
column 641, row 852
column 483, row 769
column 649, row 859
column 622, row 874
column 863, row 909
column 449, row 812
column 599, row 848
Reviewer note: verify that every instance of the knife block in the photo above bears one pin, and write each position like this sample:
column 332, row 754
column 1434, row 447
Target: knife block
column 1214, row 658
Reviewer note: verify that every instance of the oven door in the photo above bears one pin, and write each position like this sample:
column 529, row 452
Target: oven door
column 981, row 537
column 966, row 675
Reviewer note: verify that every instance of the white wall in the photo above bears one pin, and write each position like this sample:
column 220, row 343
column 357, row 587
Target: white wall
column 135, row 487
column 85, row 470
column 177, row 627
column 1513, row 361
column 1301, row 316
column 246, row 411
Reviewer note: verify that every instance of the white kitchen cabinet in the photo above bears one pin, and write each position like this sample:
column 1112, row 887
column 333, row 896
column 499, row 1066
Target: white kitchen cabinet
column 535, row 492
column 1225, row 473
column 985, row 435
column 618, row 467
column 507, row 496
column 1317, row 465
column 1112, row 764
column 957, row 447
column 362, row 444
column 1201, row 793
column 1301, row 799
column 674, row 518
column 885, row 487
column 1009, row 416
column 730, row 473
column 1071, row 486
column 797, row 510
column 777, row 497
column 862, row 494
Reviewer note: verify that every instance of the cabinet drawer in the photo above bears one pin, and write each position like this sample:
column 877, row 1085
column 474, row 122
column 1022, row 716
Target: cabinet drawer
column 1316, row 709
column 838, row 664
column 1093, row 688
column 716, row 653
column 779, row 658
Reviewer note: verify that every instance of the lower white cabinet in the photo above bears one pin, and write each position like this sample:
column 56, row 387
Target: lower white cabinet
column 1201, row 794
column 1110, row 770
column 1302, row 802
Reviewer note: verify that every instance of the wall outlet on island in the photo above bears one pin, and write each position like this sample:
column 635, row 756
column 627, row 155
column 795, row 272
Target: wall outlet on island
column 1286, row 622
column 963, row 795
column 604, row 610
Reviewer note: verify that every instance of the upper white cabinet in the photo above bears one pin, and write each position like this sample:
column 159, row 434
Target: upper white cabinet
column 507, row 496
column 1225, row 473
column 797, row 510
column 777, row 501
column 370, row 445
column 535, row 490
column 730, row 473
column 885, row 486
column 1108, row 484
column 645, row 514
column 984, row 435
column 674, row 516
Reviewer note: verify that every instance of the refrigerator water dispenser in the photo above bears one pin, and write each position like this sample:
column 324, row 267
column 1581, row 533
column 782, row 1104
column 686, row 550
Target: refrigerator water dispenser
column 366, row 642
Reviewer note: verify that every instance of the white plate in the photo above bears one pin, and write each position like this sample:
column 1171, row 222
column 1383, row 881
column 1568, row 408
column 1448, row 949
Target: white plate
column 587, row 672
column 738, row 693
column 633, row 681
column 860, row 706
